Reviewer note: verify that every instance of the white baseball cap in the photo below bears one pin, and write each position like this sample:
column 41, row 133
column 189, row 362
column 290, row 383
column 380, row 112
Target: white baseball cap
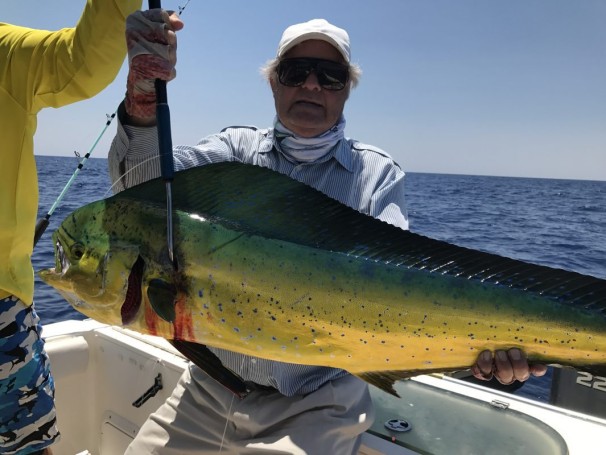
column 319, row 29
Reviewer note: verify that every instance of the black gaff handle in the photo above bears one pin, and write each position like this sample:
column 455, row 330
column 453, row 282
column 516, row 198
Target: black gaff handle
column 165, row 142
column 165, row 147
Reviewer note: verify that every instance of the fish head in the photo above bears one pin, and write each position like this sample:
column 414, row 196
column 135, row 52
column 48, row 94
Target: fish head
column 98, row 274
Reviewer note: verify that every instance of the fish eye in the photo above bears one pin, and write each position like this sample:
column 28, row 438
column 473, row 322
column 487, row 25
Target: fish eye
column 77, row 250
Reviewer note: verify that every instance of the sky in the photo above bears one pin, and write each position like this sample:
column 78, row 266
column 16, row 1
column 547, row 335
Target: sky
column 485, row 87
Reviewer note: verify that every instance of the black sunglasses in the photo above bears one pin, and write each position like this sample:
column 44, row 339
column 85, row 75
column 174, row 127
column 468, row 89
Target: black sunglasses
column 293, row 72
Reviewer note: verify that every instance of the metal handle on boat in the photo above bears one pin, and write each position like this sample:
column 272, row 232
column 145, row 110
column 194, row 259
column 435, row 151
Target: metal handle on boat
column 149, row 393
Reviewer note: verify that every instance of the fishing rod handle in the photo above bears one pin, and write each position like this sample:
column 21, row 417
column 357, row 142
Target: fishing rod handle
column 41, row 226
column 165, row 142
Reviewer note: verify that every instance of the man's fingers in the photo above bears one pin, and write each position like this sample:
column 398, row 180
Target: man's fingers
column 538, row 370
column 506, row 366
column 483, row 367
column 485, row 361
column 519, row 364
column 174, row 21
column 503, row 371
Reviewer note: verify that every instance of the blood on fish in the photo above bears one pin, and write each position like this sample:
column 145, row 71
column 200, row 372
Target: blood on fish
column 183, row 325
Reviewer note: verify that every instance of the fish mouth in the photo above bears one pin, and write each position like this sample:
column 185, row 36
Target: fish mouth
column 62, row 259
column 132, row 301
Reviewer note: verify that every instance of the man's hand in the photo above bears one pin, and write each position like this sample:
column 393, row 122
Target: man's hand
column 506, row 366
column 152, row 54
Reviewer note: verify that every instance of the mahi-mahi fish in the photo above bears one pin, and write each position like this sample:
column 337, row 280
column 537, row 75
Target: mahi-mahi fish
column 270, row 267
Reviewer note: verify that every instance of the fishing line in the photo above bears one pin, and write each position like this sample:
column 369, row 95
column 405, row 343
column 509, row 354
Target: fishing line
column 182, row 8
column 43, row 223
column 229, row 412
column 231, row 403
column 123, row 176
column 147, row 160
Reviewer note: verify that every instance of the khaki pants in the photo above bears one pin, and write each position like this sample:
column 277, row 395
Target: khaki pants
column 202, row 417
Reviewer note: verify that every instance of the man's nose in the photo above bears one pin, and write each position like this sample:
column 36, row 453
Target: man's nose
column 311, row 82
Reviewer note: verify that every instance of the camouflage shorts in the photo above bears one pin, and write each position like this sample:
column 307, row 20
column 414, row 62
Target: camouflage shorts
column 27, row 408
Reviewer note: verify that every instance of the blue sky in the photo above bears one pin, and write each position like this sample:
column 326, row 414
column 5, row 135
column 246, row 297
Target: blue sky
column 513, row 88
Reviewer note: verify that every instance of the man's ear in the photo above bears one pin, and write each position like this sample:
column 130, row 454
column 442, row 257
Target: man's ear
column 273, row 84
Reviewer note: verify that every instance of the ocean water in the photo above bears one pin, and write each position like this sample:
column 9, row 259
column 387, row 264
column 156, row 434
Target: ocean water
column 559, row 223
column 91, row 183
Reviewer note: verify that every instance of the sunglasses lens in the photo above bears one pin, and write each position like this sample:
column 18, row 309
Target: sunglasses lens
column 331, row 75
column 293, row 73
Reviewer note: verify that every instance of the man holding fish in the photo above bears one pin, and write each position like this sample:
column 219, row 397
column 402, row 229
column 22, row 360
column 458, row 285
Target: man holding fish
column 289, row 408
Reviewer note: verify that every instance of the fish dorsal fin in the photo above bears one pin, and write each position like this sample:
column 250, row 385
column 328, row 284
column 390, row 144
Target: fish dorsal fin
column 265, row 202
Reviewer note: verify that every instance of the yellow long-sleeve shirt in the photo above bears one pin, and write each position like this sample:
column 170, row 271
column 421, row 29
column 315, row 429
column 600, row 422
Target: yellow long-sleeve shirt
column 41, row 69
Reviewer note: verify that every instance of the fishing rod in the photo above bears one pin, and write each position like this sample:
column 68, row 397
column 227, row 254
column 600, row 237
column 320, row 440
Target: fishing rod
column 43, row 223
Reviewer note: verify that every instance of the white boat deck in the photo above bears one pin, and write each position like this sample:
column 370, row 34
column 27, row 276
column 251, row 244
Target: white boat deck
column 101, row 370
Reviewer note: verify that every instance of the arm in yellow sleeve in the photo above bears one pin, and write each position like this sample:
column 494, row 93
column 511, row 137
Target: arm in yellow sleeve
column 38, row 69
column 52, row 69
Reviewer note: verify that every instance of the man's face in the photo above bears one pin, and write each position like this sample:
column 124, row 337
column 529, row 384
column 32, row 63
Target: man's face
column 309, row 110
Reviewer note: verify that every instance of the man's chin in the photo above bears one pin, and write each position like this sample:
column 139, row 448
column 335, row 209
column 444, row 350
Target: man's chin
column 307, row 125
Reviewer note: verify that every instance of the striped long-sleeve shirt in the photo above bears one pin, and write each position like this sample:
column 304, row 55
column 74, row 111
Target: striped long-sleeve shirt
column 360, row 176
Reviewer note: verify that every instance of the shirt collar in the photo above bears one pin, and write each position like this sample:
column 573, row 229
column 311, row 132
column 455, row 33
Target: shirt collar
column 344, row 155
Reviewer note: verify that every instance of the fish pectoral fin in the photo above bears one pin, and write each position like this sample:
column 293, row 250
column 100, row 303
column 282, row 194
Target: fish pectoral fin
column 204, row 359
column 162, row 297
